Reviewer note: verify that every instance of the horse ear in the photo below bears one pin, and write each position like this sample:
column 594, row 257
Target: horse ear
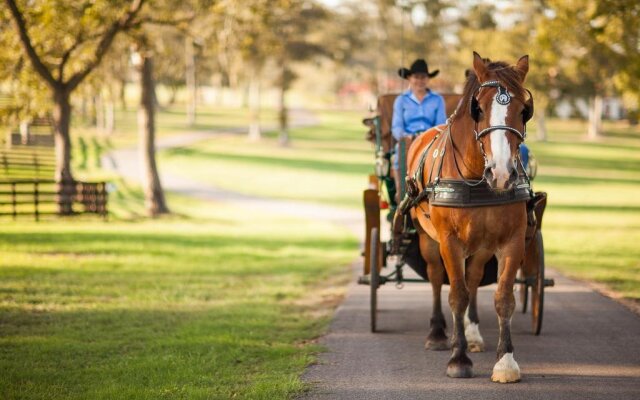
column 523, row 66
column 527, row 113
column 479, row 67
column 474, row 109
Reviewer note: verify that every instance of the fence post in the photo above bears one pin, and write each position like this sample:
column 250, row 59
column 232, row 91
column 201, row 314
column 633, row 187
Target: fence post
column 36, row 194
column 13, row 198
column 102, row 199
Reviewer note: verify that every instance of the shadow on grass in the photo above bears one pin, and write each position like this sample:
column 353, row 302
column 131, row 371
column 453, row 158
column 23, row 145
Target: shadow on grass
column 583, row 181
column 588, row 163
column 231, row 255
column 596, row 208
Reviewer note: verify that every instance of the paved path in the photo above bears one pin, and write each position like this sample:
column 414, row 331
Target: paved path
column 589, row 347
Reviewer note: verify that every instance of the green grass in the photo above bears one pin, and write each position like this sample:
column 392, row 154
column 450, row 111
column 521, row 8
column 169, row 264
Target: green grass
column 591, row 226
column 327, row 163
column 217, row 302
column 214, row 303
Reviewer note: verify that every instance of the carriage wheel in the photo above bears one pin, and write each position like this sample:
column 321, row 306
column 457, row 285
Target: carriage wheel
column 524, row 291
column 375, row 276
column 537, row 290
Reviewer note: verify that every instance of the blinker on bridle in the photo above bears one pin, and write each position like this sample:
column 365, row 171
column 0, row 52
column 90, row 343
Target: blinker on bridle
column 502, row 97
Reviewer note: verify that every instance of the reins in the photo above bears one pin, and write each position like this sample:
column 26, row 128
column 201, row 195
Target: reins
column 415, row 196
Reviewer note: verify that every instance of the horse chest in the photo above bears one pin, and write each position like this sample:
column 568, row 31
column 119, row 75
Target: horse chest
column 486, row 227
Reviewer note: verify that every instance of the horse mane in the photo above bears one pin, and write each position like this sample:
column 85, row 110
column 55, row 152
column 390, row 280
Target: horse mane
column 507, row 75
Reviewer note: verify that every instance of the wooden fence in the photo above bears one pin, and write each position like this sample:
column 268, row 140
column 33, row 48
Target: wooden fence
column 28, row 163
column 47, row 197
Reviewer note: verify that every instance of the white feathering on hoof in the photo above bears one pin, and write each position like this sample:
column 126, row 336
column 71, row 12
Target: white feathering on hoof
column 506, row 370
column 475, row 342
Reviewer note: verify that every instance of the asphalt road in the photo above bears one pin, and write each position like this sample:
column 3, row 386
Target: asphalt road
column 589, row 349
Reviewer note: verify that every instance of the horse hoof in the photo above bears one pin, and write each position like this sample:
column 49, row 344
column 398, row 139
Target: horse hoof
column 506, row 370
column 460, row 367
column 460, row 371
column 475, row 347
column 437, row 344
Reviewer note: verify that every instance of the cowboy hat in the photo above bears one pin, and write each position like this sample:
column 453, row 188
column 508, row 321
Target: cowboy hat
column 419, row 66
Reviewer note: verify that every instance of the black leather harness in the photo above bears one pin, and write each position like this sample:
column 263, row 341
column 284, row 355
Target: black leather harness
column 459, row 193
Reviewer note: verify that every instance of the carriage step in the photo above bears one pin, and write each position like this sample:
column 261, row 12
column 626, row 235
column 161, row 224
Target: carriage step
column 530, row 281
column 366, row 280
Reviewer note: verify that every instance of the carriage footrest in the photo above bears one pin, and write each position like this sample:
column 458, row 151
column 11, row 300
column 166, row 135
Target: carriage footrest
column 366, row 280
column 530, row 281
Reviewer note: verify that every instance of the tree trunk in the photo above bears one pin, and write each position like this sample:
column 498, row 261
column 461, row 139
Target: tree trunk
column 190, row 70
column 542, row 126
column 254, row 92
column 155, row 203
column 595, row 117
column 282, row 112
column 61, row 121
column 24, row 132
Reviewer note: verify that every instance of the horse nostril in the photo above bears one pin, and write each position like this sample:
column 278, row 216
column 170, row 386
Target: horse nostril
column 488, row 174
column 513, row 175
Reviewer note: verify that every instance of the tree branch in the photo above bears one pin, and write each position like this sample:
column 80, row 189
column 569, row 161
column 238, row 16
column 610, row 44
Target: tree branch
column 123, row 23
column 36, row 61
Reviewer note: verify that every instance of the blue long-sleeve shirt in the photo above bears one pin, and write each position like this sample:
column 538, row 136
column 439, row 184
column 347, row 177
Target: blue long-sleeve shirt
column 411, row 116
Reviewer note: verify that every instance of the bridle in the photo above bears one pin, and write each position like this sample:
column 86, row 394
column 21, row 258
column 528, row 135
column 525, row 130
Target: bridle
column 504, row 98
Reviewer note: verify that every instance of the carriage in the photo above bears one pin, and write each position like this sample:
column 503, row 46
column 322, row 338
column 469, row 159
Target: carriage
column 380, row 197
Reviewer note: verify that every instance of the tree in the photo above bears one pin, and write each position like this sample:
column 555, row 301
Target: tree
column 155, row 202
column 64, row 42
column 292, row 22
column 597, row 47
column 167, row 16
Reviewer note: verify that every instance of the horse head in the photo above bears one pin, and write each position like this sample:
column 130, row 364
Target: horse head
column 500, row 111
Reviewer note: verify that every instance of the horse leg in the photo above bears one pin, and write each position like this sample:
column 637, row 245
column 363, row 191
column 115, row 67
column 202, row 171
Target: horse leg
column 437, row 338
column 460, row 365
column 475, row 271
column 509, row 260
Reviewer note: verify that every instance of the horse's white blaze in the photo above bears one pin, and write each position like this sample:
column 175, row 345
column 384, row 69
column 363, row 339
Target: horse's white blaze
column 500, row 150
column 506, row 370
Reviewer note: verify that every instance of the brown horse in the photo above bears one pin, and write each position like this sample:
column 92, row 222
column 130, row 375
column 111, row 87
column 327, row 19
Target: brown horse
column 480, row 146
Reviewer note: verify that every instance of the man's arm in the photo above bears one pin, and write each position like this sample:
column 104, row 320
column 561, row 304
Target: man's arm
column 397, row 123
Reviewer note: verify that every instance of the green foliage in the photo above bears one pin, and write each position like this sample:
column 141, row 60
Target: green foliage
column 590, row 43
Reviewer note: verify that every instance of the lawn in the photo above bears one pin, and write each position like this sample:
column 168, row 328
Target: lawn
column 592, row 224
column 591, row 227
column 214, row 302
column 217, row 302
column 327, row 163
